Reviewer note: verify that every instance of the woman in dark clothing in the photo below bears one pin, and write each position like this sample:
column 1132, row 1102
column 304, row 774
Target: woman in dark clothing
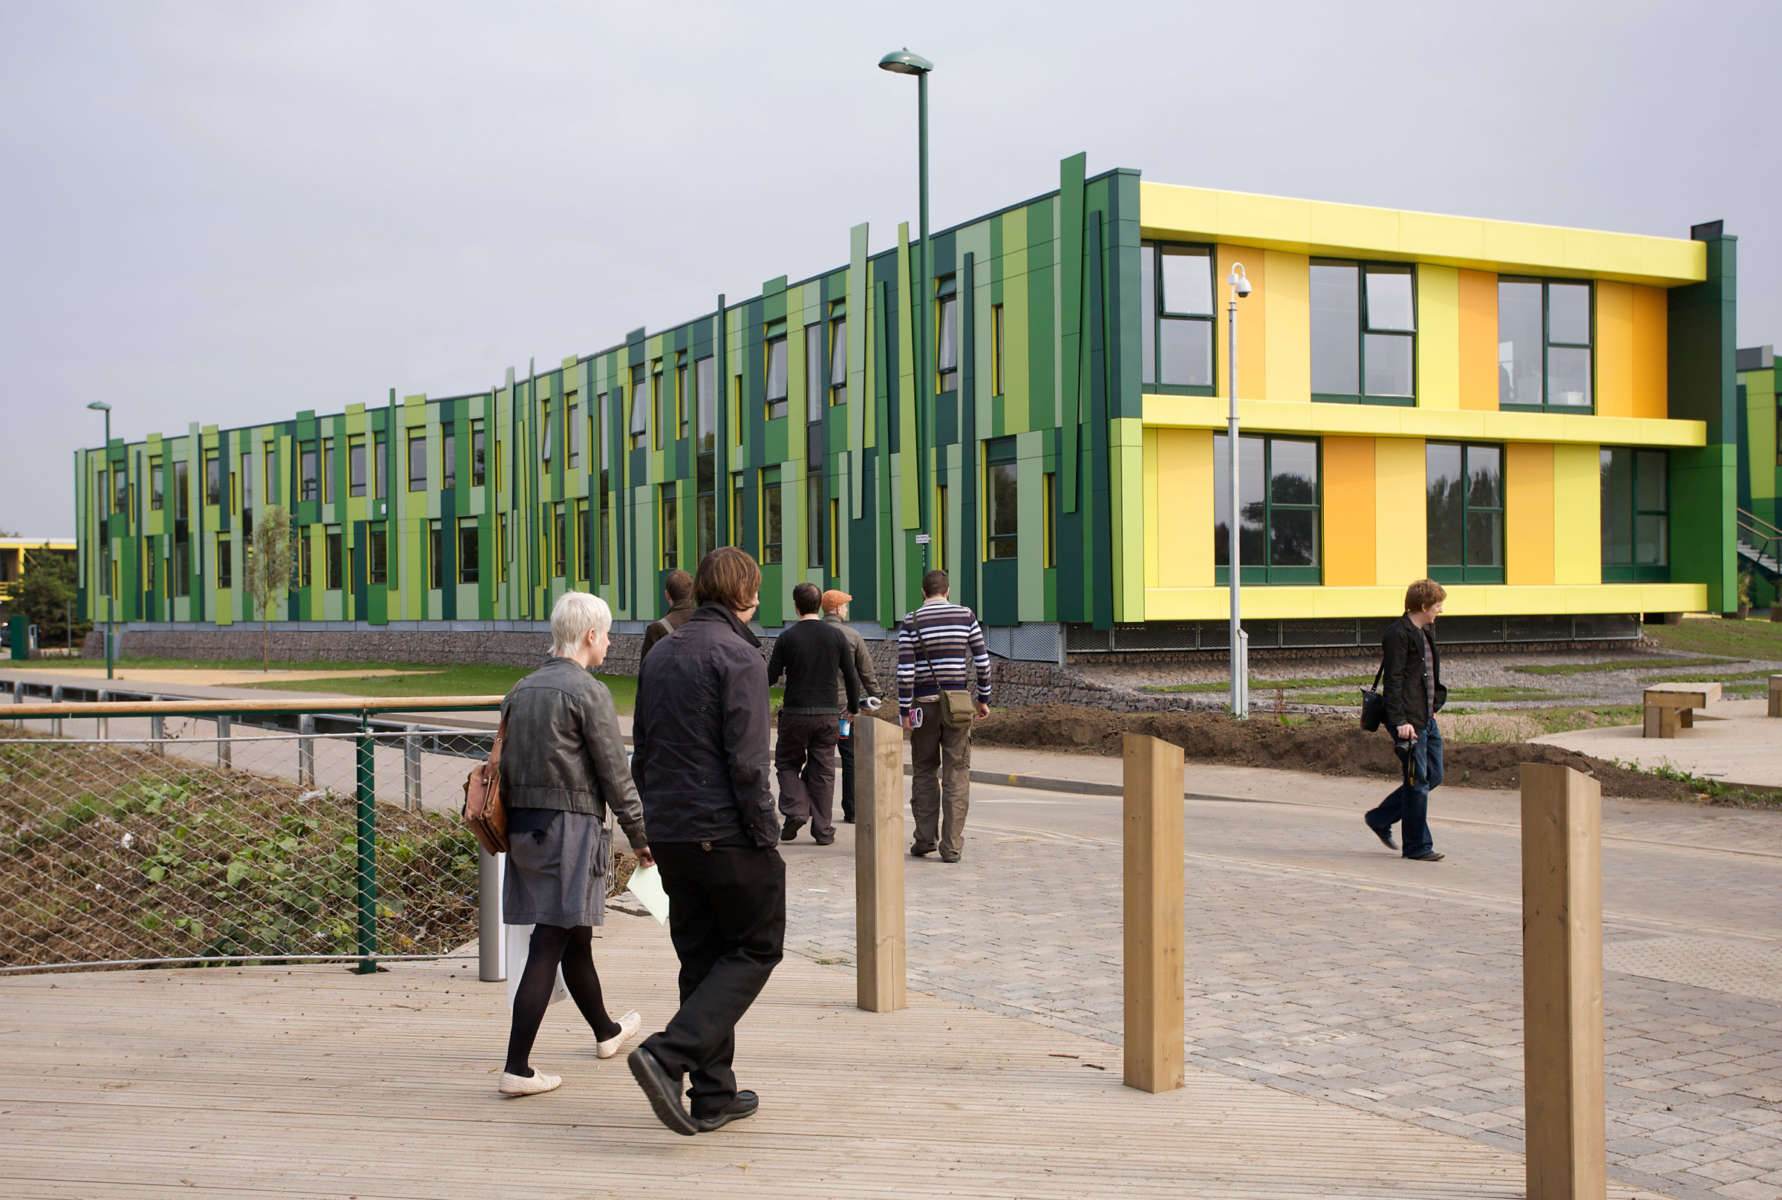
column 562, row 769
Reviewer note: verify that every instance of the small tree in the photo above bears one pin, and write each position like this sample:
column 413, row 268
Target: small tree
column 46, row 591
column 269, row 573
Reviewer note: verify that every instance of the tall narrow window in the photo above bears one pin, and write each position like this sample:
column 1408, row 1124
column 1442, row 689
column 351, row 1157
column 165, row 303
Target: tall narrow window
column 996, row 350
column 738, row 509
column 448, row 458
column 774, row 375
column 572, row 431
column 182, row 492
column 1635, row 514
column 770, row 514
column 327, row 471
column 834, row 532
column 356, row 466
column 1001, row 495
column 380, row 454
column 1544, row 344
column 308, row 480
column 377, row 556
column 606, row 536
column 305, row 558
column 705, row 514
column 705, row 390
column 813, row 519
column 1364, row 328
column 1465, row 512
column 435, row 556
column 838, row 361
column 1279, row 508
column 598, row 437
column 663, row 417
column 668, row 526
column 417, row 460
column 736, row 410
column 102, row 493
column 1049, row 499
column 181, row 579
column 501, row 547
column 946, row 336
column 333, row 559
column 1176, row 316
column 469, row 551
column 247, row 484
column 546, row 430
column 941, row 524
column 213, row 479
column 682, row 398
column 559, row 542
column 584, row 558
column 813, row 373
column 640, row 408
column 225, row 563
column 154, row 468
column 477, row 447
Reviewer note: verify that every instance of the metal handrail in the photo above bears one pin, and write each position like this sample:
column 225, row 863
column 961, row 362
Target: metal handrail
column 1747, row 517
column 214, row 708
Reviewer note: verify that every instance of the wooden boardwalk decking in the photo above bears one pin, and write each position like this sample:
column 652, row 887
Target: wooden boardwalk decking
column 312, row 1081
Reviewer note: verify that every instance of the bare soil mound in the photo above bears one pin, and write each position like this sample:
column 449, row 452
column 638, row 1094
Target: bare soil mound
column 1327, row 744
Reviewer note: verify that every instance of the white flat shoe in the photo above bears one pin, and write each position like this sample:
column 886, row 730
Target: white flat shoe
column 628, row 1027
column 529, row 1085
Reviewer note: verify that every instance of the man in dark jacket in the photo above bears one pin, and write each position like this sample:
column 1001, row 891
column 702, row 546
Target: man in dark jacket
column 812, row 655
column 1412, row 677
column 677, row 589
column 835, row 612
column 700, row 760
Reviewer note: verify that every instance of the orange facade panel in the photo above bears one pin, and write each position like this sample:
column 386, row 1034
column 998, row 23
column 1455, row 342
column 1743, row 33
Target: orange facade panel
column 1348, row 511
column 1478, row 341
column 1614, row 349
column 1651, row 351
column 1528, row 513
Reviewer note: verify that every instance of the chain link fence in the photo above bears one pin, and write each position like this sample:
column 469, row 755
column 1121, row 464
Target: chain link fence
column 164, row 840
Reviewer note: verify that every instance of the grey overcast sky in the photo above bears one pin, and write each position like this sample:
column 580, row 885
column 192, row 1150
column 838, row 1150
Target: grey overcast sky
column 228, row 212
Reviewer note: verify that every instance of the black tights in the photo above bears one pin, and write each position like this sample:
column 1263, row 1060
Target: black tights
column 553, row 945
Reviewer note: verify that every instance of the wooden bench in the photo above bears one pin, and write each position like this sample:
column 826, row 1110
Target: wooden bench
column 1776, row 695
column 1671, row 706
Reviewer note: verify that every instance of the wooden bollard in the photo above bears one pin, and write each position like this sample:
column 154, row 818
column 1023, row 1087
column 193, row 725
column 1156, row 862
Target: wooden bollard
column 1153, row 892
column 1562, row 983
column 878, row 864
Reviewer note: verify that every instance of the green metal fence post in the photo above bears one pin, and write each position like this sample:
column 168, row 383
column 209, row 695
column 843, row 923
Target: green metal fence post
column 367, row 850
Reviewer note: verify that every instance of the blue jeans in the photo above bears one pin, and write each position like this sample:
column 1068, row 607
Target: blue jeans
column 1410, row 803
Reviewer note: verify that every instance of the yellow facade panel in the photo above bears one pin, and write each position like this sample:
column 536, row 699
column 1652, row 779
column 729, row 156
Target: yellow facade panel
column 1400, row 511
column 1528, row 514
column 1577, row 516
column 1152, row 550
column 1180, row 526
column 1349, row 512
column 1651, row 352
column 1614, row 349
column 1287, row 308
column 1385, row 603
column 1252, row 322
column 1353, row 225
column 1478, row 341
column 1438, row 337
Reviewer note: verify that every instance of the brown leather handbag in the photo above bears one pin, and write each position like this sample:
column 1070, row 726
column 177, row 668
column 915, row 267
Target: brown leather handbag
column 483, row 810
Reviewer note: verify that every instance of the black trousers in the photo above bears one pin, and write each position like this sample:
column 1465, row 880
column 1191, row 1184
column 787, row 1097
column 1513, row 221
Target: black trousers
column 806, row 768
column 727, row 919
column 845, row 749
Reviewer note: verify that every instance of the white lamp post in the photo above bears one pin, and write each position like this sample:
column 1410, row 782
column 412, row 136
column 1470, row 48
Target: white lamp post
column 1240, row 641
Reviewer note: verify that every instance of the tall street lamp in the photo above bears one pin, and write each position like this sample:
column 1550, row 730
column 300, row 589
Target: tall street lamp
column 1240, row 641
column 111, row 590
column 902, row 62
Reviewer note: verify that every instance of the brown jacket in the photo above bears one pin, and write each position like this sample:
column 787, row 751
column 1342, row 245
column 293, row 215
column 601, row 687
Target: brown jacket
column 673, row 620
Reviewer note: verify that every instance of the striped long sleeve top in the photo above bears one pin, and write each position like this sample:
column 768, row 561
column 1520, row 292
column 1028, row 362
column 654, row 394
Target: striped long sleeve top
column 954, row 645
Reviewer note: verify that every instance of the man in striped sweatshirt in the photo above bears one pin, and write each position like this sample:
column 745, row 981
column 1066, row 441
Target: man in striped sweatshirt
column 940, row 648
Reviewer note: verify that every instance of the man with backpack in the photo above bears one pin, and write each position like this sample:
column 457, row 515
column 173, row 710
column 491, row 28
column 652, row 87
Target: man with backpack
column 943, row 686
column 1412, row 672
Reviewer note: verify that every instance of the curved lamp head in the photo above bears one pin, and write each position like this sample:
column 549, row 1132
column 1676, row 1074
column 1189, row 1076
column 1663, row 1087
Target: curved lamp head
column 1240, row 282
column 902, row 62
column 99, row 406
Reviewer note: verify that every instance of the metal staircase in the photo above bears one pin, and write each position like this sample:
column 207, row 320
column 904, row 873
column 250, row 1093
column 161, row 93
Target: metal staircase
column 1760, row 545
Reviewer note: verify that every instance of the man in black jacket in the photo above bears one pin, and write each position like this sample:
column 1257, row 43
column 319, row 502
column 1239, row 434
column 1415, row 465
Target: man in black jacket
column 812, row 654
column 1412, row 675
column 699, row 743
column 677, row 589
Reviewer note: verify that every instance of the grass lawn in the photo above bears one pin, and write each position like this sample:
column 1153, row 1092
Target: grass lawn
column 1716, row 635
column 1260, row 685
column 1640, row 664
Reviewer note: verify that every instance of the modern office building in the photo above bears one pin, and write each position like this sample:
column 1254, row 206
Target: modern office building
column 1544, row 418
column 16, row 554
column 1760, row 471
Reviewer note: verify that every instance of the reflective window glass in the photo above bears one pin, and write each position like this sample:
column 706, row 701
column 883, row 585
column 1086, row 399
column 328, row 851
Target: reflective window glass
column 1518, row 343
column 1335, row 318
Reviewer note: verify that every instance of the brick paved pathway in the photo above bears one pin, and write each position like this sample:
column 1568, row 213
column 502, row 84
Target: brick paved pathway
column 1322, row 964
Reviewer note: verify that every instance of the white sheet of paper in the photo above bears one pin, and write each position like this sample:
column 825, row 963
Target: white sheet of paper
column 646, row 885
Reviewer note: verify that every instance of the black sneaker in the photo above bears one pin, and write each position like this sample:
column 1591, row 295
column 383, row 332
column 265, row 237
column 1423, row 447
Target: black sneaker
column 919, row 851
column 1385, row 835
column 790, row 829
column 743, row 1104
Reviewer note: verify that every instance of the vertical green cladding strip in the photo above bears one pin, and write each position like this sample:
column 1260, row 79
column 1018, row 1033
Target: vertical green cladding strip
column 1703, row 320
column 909, row 509
column 1030, row 469
column 859, row 435
column 882, row 380
column 1121, row 235
column 1127, row 468
column 1070, row 251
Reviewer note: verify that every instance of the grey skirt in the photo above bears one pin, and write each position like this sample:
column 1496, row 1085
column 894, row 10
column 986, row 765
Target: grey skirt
column 557, row 876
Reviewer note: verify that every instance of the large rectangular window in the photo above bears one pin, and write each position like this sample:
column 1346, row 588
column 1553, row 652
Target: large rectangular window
column 946, row 334
column 813, row 373
column 1364, row 331
column 640, row 408
column 1465, row 519
column 1176, row 317
column 774, row 375
column 356, row 466
column 1279, row 505
column 770, row 514
column 417, row 460
column 668, row 526
column 1544, row 339
column 1636, row 515
column 309, row 481
column 1001, row 500
column 705, row 404
column 377, row 555
column 469, row 551
column 838, row 360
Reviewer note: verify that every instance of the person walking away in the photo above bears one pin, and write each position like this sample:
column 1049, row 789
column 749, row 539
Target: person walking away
column 940, row 648
column 699, row 742
column 811, row 655
column 677, row 589
column 562, row 769
column 835, row 612
column 1412, row 675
